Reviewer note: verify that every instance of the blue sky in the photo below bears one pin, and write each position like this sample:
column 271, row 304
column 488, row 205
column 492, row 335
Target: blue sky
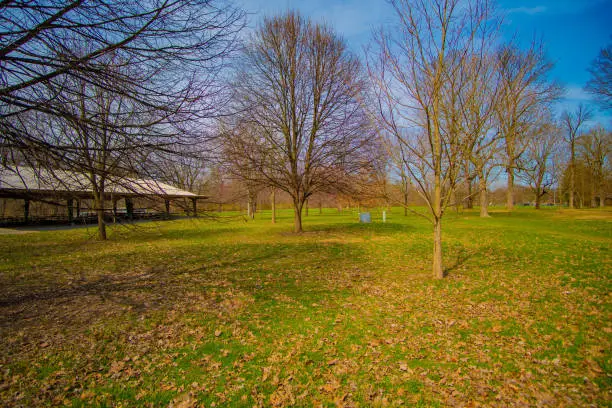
column 573, row 31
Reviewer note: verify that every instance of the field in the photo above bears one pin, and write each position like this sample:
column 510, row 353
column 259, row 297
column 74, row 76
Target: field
column 233, row 313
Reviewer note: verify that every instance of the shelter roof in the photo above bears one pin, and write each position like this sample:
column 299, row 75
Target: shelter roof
column 23, row 180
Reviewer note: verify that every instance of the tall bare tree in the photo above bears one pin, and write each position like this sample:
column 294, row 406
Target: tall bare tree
column 595, row 149
column 415, row 73
column 476, row 104
column 179, row 46
column 524, row 88
column 600, row 83
column 105, row 136
column 573, row 121
column 300, row 90
column 114, row 81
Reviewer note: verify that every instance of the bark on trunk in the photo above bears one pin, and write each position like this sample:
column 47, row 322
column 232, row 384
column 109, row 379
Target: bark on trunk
column 273, row 199
column 510, row 188
column 469, row 202
column 438, row 271
column 484, row 199
column 99, row 201
column 572, row 176
column 251, row 207
column 297, row 220
column 602, row 196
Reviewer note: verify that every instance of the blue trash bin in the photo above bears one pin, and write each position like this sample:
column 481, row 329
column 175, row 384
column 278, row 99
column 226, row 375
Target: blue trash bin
column 365, row 217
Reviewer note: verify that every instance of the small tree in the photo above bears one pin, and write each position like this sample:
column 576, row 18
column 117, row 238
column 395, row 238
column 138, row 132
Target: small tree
column 415, row 73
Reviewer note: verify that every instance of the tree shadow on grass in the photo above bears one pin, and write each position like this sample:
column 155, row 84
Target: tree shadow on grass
column 162, row 284
column 462, row 257
column 356, row 227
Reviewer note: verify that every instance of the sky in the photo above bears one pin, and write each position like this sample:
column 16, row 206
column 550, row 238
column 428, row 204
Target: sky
column 573, row 32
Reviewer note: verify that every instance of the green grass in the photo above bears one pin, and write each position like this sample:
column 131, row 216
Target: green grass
column 230, row 313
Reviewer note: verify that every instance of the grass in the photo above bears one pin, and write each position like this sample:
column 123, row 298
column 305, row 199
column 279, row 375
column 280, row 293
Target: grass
column 201, row 312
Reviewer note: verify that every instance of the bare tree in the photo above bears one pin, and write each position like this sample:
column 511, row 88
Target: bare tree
column 524, row 87
column 595, row 148
column 185, row 166
column 300, row 90
column 240, row 149
column 600, row 83
column 538, row 166
column 104, row 137
column 573, row 121
column 415, row 74
column 398, row 159
column 476, row 104
column 114, row 82
column 179, row 46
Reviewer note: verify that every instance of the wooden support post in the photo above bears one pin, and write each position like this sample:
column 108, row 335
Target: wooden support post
column 26, row 210
column 129, row 208
column 69, row 206
column 78, row 208
column 194, row 203
column 114, row 200
column 167, row 202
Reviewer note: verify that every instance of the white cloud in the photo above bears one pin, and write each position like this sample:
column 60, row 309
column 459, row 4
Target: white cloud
column 527, row 10
column 577, row 93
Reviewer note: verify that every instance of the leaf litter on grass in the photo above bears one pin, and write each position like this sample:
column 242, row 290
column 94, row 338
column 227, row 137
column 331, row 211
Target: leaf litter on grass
column 354, row 323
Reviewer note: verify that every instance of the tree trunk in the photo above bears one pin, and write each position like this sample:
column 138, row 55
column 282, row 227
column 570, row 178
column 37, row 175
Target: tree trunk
column 99, row 202
column 250, row 206
column 572, row 186
column 484, row 199
column 438, row 271
column 538, row 198
column 602, row 195
column 297, row 221
column 510, row 188
column 469, row 202
column 273, row 199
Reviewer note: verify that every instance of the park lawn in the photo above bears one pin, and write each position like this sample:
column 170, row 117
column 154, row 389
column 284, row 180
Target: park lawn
column 232, row 313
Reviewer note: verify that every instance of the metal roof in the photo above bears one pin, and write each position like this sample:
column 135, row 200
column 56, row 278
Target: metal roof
column 24, row 180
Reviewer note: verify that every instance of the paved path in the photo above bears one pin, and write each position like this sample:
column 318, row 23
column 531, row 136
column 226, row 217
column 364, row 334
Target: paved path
column 39, row 228
column 9, row 231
